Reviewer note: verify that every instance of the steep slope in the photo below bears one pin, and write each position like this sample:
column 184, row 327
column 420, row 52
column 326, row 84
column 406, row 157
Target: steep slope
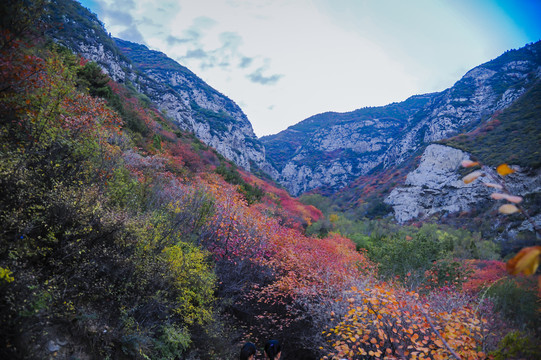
column 332, row 149
column 356, row 143
column 194, row 105
column 480, row 93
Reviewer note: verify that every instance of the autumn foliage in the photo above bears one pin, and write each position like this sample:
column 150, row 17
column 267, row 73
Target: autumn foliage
column 122, row 233
column 385, row 322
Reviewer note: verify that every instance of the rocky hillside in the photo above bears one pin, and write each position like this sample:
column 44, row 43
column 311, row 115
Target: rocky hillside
column 330, row 150
column 194, row 105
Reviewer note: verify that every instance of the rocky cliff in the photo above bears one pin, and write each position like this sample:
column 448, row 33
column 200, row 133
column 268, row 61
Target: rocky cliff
column 436, row 189
column 333, row 149
column 330, row 150
column 196, row 107
column 436, row 186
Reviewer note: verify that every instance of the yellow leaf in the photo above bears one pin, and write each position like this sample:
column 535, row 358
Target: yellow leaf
column 525, row 262
column 471, row 177
column 495, row 186
column 514, row 199
column 468, row 163
column 508, row 209
column 511, row 198
column 504, row 169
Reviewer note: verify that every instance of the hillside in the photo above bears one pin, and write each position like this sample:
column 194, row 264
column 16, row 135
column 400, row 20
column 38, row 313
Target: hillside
column 124, row 236
column 183, row 96
column 371, row 140
column 332, row 149
column 513, row 135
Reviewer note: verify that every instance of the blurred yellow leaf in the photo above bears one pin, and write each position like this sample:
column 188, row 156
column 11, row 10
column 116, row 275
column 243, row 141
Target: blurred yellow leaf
column 468, row 163
column 471, row 177
column 497, row 196
column 495, row 186
column 511, row 198
column 508, row 209
column 504, row 169
column 525, row 262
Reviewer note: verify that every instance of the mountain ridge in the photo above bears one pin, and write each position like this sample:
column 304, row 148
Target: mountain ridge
column 481, row 92
column 177, row 91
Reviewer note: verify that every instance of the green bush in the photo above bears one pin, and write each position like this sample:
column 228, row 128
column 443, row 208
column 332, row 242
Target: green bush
column 399, row 255
column 172, row 343
column 517, row 303
column 517, row 345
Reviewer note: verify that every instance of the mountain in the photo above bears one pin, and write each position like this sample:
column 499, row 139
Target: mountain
column 178, row 92
column 359, row 157
column 331, row 150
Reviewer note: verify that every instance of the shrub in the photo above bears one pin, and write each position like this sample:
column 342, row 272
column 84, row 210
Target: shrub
column 446, row 273
column 517, row 345
column 519, row 303
column 172, row 343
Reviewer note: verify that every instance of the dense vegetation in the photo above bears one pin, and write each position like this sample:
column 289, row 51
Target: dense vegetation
column 124, row 237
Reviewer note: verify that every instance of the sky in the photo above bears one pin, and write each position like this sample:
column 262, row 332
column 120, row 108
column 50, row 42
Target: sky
column 283, row 61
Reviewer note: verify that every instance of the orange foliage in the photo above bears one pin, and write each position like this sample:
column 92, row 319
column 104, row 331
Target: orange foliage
column 485, row 273
column 311, row 267
column 385, row 322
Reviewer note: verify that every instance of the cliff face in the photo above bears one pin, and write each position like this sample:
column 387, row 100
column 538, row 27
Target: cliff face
column 436, row 187
column 330, row 150
column 333, row 149
column 210, row 115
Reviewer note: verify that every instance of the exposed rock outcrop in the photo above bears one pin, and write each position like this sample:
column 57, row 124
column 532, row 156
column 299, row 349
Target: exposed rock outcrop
column 436, row 186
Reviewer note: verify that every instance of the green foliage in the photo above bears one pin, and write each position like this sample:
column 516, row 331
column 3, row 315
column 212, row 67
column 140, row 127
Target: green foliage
column 403, row 250
column 81, row 232
column 91, row 77
column 194, row 281
column 77, row 22
column 219, row 122
column 321, row 202
column 518, row 303
column 517, row 345
column 252, row 193
column 513, row 136
column 398, row 255
column 172, row 343
column 320, row 228
column 124, row 191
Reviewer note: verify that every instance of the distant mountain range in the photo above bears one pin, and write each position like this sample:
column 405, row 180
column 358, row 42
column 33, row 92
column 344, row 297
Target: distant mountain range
column 331, row 150
column 357, row 156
